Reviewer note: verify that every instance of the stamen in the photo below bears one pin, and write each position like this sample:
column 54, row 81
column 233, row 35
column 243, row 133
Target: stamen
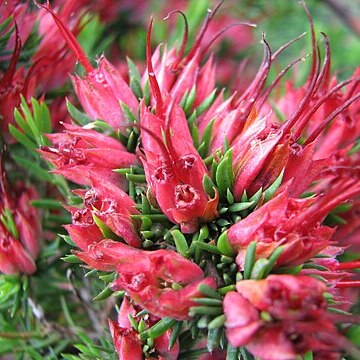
column 180, row 54
column 348, row 284
column 69, row 38
column 9, row 74
column 160, row 110
column 349, row 265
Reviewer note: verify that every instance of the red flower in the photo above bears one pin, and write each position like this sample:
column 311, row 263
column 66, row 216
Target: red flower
column 126, row 340
column 80, row 153
column 52, row 58
column 293, row 223
column 109, row 204
column 280, row 317
column 161, row 281
column 175, row 171
column 102, row 89
column 20, row 230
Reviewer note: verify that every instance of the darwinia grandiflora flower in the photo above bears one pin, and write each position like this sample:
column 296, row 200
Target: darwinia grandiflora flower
column 218, row 217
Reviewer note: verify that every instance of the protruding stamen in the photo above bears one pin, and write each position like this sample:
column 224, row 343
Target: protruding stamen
column 69, row 38
column 184, row 40
column 348, row 284
column 160, row 110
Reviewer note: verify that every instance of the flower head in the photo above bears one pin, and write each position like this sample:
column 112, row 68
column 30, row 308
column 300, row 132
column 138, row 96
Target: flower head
column 280, row 317
column 79, row 153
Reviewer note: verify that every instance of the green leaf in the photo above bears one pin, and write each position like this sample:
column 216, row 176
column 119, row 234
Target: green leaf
column 72, row 259
column 353, row 334
column 134, row 79
column 208, row 247
column 181, row 244
column 6, row 23
column 130, row 117
column 203, row 149
column 22, row 138
column 46, row 119
column 213, row 339
column 206, row 103
column 259, row 269
column 22, row 123
column 355, row 148
column 205, row 310
column 240, row 206
column 218, row 322
column 147, row 97
column 224, row 246
column 245, row 354
column 46, row 204
column 204, row 232
column 224, row 174
column 208, row 301
column 209, row 186
column 249, row 259
column 8, row 221
column 230, row 197
column 271, row 190
column 37, row 114
column 35, row 170
column 194, row 133
column 158, row 329
column 183, row 99
column 209, row 291
column 104, row 294
column 105, row 230
column 103, row 127
column 153, row 217
column 174, row 334
column 272, row 259
column 232, row 353
column 255, row 198
column 67, row 239
column 36, row 134
column 190, row 100
column 81, row 118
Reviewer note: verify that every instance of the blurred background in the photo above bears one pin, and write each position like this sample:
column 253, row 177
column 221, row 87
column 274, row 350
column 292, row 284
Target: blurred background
column 124, row 34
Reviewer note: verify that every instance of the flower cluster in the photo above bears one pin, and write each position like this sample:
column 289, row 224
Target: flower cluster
column 218, row 218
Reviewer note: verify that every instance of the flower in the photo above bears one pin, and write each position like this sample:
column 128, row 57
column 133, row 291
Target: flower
column 107, row 212
column 79, row 153
column 102, row 89
column 161, row 281
column 127, row 342
column 20, row 230
column 292, row 223
column 53, row 61
column 175, row 171
column 280, row 317
column 230, row 191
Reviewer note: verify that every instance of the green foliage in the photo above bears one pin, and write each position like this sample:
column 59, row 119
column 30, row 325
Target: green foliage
column 33, row 124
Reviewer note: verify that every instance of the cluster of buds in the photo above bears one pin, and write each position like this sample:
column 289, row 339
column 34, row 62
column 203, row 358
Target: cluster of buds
column 216, row 215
